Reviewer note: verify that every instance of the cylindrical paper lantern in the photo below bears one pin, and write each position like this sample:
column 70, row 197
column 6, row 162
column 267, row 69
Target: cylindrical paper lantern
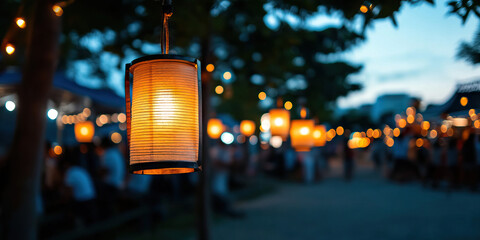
column 301, row 135
column 163, row 117
column 84, row 131
column 319, row 136
column 214, row 128
column 247, row 127
column 279, row 122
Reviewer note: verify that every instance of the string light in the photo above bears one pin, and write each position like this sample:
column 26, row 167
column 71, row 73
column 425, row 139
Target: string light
column 10, row 49
column 364, row 9
column 227, row 75
column 210, row 68
column 20, row 22
column 219, row 89
column 57, row 10
column 262, row 95
column 288, row 105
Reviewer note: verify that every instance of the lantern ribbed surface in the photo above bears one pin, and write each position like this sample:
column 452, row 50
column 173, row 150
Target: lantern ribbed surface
column 301, row 134
column 164, row 119
column 279, row 122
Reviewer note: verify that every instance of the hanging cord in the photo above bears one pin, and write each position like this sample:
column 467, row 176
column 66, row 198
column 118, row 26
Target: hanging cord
column 167, row 9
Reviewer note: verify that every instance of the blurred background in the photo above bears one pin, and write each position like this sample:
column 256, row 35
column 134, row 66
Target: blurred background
column 392, row 87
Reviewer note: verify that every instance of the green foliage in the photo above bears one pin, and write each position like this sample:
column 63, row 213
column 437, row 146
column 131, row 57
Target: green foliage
column 470, row 51
column 232, row 35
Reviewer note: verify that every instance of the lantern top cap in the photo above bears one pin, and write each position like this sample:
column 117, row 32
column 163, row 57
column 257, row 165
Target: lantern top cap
column 164, row 57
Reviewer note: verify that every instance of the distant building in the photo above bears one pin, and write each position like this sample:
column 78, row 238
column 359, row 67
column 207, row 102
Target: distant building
column 390, row 104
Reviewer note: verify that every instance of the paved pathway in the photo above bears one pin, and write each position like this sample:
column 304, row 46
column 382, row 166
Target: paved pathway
column 367, row 208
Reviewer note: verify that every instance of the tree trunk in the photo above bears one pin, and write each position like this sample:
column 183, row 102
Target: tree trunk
column 25, row 158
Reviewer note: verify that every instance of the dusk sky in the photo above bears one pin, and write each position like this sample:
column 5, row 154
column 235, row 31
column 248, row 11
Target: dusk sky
column 417, row 57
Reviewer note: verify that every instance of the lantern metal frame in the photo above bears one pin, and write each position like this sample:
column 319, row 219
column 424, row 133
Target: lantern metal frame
column 133, row 168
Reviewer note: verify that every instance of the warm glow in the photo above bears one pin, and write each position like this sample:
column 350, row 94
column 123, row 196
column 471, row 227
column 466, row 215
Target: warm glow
column 450, row 132
column 426, row 125
column 402, row 123
column 396, row 132
column 103, row 119
column 262, row 95
column 84, row 131
column 227, row 75
column 10, row 49
column 247, row 127
column 319, row 136
column 57, row 10
column 86, row 112
column 410, row 111
column 460, row 122
column 304, row 131
column 219, row 89
column 377, row 133
column 57, row 150
column 369, row 132
column 387, row 131
column 214, row 128
column 303, row 113
column 364, row 9
column 288, row 105
column 210, row 67
column 389, row 142
column 477, row 124
column 116, row 137
column 444, row 128
column 433, row 133
column 164, row 114
column 300, row 135
column 122, row 117
column 276, row 141
column 331, row 133
column 471, row 112
column 21, row 22
column 410, row 119
column 279, row 122
column 464, row 101
column 419, row 142
column 340, row 130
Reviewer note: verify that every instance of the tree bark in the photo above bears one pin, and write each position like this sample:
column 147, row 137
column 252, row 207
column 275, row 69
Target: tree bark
column 19, row 219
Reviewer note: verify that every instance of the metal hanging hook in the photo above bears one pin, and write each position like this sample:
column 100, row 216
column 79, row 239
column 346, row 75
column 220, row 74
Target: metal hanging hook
column 167, row 12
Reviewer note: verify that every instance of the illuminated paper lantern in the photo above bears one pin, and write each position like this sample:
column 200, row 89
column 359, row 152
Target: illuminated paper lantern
column 279, row 122
column 214, row 128
column 301, row 135
column 84, row 131
column 319, row 136
column 247, row 128
column 163, row 114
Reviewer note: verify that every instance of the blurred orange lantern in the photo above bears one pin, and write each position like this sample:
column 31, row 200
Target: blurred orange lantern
column 214, row 128
column 301, row 135
column 163, row 117
column 279, row 122
column 247, row 127
column 319, row 136
column 84, row 131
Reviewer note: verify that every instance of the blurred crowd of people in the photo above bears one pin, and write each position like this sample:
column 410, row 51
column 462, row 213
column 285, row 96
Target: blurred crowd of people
column 452, row 162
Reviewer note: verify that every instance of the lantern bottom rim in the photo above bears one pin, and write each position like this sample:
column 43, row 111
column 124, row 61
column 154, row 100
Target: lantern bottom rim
column 164, row 168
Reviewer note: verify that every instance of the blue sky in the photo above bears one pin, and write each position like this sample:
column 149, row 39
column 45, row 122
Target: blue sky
column 417, row 57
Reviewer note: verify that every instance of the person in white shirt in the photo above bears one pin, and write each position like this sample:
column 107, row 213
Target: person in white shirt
column 79, row 187
column 114, row 164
